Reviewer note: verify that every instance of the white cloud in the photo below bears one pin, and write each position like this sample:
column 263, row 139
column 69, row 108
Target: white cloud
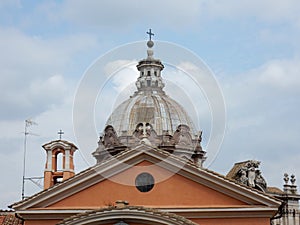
column 277, row 79
column 265, row 10
column 54, row 86
column 115, row 13
column 281, row 74
column 33, row 97
column 29, row 68
column 38, row 56
column 182, row 14
column 10, row 3
column 122, row 73
column 263, row 118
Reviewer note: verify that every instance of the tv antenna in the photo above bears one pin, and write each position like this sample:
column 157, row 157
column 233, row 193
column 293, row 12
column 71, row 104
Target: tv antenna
column 35, row 180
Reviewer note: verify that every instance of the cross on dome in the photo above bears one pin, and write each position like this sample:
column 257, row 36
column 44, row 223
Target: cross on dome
column 150, row 43
column 150, row 34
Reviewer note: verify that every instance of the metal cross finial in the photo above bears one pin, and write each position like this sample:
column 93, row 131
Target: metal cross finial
column 60, row 133
column 150, row 34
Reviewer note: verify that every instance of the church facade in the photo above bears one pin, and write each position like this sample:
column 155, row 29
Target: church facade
column 149, row 170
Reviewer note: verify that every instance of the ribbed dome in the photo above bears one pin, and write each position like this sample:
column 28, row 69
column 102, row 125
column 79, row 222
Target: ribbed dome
column 150, row 117
column 149, row 104
column 157, row 109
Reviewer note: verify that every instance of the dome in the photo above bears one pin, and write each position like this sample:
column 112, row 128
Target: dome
column 157, row 109
column 149, row 104
column 150, row 117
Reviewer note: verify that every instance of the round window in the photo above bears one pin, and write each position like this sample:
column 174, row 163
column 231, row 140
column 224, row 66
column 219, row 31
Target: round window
column 144, row 182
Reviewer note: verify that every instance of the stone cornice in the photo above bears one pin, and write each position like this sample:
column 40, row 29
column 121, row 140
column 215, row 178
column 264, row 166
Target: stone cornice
column 190, row 213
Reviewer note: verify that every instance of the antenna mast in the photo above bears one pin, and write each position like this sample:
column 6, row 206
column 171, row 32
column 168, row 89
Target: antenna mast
column 28, row 123
column 24, row 157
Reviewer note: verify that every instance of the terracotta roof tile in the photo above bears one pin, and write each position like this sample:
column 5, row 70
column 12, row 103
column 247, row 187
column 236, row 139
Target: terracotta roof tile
column 236, row 167
column 274, row 190
column 9, row 218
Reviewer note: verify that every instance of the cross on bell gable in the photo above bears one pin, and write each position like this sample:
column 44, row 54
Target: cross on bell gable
column 60, row 133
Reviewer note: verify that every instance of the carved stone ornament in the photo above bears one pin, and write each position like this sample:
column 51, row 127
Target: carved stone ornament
column 251, row 176
column 145, row 133
column 101, row 154
column 182, row 136
column 110, row 138
column 143, row 130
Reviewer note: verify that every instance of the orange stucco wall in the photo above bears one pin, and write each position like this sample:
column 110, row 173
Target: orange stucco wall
column 40, row 222
column 176, row 191
column 233, row 221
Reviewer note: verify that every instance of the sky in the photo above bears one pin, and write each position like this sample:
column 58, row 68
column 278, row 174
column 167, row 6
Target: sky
column 251, row 47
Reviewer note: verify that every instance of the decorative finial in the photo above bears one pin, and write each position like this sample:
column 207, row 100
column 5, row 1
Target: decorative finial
column 199, row 136
column 60, row 133
column 286, row 178
column 150, row 43
column 293, row 179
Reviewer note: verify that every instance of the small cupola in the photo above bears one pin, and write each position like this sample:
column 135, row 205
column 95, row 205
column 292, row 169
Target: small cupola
column 59, row 162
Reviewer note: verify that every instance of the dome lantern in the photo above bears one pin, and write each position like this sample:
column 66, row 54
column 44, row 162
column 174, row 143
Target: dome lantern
column 150, row 71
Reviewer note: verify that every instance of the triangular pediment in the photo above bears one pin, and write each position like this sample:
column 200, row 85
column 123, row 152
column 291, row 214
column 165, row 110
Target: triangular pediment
column 178, row 183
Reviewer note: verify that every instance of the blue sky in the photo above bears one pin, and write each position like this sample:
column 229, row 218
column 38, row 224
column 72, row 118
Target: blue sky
column 252, row 47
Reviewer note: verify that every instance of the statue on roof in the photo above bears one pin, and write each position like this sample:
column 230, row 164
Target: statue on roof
column 248, row 173
column 110, row 137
